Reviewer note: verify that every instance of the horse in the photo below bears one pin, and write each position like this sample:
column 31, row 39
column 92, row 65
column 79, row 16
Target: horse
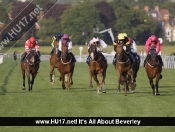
column 30, row 66
column 66, row 66
column 124, row 69
column 53, row 61
column 97, row 66
column 153, row 69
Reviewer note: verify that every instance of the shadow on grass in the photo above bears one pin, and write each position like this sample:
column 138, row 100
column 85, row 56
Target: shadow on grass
column 6, row 79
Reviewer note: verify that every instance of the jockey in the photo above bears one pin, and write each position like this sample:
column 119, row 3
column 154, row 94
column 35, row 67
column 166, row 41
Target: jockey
column 65, row 39
column 56, row 37
column 153, row 41
column 31, row 44
column 120, row 39
column 99, row 43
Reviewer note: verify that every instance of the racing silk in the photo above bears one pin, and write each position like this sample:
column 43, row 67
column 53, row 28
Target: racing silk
column 133, row 47
column 148, row 44
column 102, row 43
column 69, row 45
column 29, row 47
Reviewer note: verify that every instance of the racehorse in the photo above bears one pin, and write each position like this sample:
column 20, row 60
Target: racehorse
column 153, row 68
column 66, row 66
column 97, row 66
column 53, row 61
column 30, row 66
column 124, row 69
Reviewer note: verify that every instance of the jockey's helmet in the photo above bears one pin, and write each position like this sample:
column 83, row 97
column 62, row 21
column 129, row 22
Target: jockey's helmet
column 153, row 38
column 121, row 36
column 58, row 36
column 125, row 34
column 32, row 40
column 65, row 36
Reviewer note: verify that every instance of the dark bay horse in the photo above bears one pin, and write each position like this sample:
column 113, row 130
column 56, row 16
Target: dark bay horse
column 153, row 69
column 30, row 66
column 124, row 68
column 66, row 66
column 54, row 61
column 97, row 66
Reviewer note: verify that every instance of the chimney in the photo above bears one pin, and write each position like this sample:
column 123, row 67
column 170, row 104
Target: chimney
column 146, row 8
column 156, row 8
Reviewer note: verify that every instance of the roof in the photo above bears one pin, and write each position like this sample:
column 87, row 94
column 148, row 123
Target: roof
column 163, row 12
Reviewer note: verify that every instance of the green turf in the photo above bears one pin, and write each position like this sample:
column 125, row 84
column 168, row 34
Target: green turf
column 51, row 100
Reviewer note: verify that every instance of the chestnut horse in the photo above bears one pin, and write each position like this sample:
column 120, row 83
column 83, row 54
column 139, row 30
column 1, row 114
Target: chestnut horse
column 97, row 66
column 66, row 66
column 53, row 61
column 30, row 66
column 153, row 69
column 123, row 67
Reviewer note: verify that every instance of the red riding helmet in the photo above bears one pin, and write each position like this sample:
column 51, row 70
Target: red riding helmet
column 153, row 38
column 32, row 40
column 65, row 36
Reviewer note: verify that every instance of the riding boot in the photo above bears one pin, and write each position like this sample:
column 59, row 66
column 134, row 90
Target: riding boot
column 39, row 56
column 24, row 56
column 73, row 57
column 103, row 57
column 59, row 55
column 145, row 61
column 114, row 60
column 88, row 60
column 160, row 60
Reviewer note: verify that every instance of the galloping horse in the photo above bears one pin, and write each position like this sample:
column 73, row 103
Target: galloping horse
column 153, row 68
column 123, row 67
column 30, row 66
column 66, row 66
column 53, row 62
column 97, row 66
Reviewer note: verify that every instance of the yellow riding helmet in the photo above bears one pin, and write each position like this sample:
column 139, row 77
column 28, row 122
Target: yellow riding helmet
column 125, row 34
column 120, row 36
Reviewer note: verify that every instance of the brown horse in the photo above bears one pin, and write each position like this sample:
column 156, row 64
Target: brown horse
column 66, row 66
column 97, row 66
column 30, row 66
column 153, row 68
column 53, row 61
column 124, row 68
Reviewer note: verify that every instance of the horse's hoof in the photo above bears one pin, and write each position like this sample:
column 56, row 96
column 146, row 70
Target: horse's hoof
column 104, row 91
column 71, row 83
column 118, row 90
column 23, row 88
column 53, row 82
column 64, row 88
column 157, row 93
column 132, row 92
column 90, row 86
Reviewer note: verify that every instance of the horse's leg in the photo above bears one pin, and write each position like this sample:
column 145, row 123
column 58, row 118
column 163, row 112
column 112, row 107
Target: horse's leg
column 68, row 81
column 157, row 85
column 123, row 78
column 119, row 81
column 96, row 80
column 52, row 73
column 103, row 81
column 33, row 78
column 90, row 86
column 62, row 79
column 28, row 77
column 152, row 85
column 23, row 76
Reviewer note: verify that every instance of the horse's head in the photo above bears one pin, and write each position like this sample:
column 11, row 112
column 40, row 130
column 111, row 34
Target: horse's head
column 119, row 51
column 92, row 51
column 32, row 57
column 64, row 50
column 153, row 57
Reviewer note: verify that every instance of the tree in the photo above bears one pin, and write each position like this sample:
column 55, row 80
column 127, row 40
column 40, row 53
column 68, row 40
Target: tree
column 136, row 23
column 80, row 20
column 48, row 27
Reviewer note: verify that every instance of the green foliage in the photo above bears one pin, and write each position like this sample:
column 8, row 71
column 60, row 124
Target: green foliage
column 81, row 18
column 48, row 27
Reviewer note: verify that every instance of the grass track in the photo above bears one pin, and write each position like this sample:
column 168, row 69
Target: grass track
column 50, row 100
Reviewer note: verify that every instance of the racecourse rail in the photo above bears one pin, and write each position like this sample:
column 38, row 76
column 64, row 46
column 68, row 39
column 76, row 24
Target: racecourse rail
column 169, row 61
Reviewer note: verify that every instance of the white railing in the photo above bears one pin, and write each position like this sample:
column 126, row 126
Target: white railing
column 169, row 61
